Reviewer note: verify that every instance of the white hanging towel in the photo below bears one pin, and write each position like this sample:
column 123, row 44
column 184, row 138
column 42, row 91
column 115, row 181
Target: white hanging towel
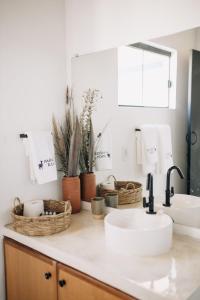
column 40, row 150
column 103, row 151
column 149, row 145
column 139, row 147
column 165, row 148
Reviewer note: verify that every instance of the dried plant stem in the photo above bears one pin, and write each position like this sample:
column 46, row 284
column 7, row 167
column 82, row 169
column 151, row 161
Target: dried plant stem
column 90, row 98
column 67, row 139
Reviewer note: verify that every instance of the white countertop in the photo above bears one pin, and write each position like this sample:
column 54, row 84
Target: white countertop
column 174, row 276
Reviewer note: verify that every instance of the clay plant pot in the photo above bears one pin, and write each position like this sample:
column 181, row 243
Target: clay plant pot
column 71, row 191
column 88, row 186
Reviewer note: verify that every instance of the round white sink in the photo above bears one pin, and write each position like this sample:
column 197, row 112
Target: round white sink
column 133, row 232
column 185, row 201
column 184, row 209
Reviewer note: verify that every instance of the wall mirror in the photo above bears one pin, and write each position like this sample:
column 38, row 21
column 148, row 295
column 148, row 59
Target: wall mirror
column 142, row 83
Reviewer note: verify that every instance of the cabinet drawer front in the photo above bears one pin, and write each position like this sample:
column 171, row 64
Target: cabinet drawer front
column 29, row 275
column 74, row 285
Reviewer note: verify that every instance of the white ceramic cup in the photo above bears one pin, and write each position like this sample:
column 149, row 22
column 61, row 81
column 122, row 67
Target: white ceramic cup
column 33, row 208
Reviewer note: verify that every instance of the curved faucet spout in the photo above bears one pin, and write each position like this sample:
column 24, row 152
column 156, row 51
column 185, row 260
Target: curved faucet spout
column 177, row 169
column 170, row 192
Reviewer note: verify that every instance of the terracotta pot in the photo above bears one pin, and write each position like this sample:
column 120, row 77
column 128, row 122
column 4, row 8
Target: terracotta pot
column 71, row 191
column 88, row 186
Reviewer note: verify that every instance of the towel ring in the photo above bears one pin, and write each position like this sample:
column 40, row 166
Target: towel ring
column 193, row 138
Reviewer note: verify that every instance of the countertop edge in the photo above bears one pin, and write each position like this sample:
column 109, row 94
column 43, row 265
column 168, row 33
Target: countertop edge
column 111, row 279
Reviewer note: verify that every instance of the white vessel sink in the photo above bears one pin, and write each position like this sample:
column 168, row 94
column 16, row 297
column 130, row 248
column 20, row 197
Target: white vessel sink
column 133, row 232
column 184, row 210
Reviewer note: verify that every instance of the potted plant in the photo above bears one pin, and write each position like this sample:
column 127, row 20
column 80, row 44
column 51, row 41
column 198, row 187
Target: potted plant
column 87, row 152
column 67, row 142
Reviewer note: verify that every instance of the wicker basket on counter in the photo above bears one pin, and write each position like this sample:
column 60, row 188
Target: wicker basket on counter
column 128, row 191
column 45, row 224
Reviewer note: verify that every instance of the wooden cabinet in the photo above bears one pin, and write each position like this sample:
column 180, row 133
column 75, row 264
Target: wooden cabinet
column 29, row 275
column 33, row 276
column 74, row 285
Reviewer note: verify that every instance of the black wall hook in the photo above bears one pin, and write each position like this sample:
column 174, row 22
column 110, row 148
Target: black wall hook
column 23, row 136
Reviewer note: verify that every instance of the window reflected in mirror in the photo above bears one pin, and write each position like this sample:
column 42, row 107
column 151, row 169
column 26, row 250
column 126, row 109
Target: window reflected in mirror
column 145, row 74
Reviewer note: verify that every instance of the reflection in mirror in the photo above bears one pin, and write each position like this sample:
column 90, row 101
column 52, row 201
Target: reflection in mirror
column 144, row 75
column 145, row 83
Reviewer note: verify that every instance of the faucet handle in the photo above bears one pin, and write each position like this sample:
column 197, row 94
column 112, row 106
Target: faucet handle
column 172, row 191
column 145, row 204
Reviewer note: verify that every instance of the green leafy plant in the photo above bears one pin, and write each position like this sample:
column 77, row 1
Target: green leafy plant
column 67, row 139
column 88, row 142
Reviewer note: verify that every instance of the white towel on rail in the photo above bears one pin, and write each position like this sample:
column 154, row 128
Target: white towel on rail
column 165, row 148
column 149, row 143
column 138, row 147
column 40, row 150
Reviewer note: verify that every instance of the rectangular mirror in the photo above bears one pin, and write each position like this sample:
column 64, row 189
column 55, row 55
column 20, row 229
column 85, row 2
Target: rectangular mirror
column 143, row 83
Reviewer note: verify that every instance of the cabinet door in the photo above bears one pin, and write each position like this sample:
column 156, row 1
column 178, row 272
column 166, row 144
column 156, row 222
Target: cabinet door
column 29, row 275
column 74, row 285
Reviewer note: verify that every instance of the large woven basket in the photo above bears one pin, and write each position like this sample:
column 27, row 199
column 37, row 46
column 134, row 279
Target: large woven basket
column 128, row 191
column 42, row 225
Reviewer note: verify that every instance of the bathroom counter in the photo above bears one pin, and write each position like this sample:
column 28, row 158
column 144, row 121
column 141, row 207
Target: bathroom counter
column 174, row 276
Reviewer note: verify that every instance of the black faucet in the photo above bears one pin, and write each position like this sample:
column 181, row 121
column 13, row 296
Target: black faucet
column 150, row 204
column 169, row 192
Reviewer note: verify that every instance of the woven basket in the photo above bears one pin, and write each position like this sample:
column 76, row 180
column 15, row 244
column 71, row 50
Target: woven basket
column 128, row 191
column 43, row 225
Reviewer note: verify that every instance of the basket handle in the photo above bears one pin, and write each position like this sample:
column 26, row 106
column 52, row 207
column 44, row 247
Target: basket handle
column 111, row 176
column 17, row 201
column 130, row 184
column 68, row 206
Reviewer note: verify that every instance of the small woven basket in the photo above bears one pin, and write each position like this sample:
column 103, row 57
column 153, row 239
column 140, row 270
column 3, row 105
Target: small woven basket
column 43, row 225
column 128, row 191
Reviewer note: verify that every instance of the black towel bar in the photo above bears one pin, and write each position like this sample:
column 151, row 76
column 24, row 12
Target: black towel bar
column 23, row 136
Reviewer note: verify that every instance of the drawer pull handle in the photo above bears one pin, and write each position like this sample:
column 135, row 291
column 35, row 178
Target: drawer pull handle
column 47, row 275
column 62, row 283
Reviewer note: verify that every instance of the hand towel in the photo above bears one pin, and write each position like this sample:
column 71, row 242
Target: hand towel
column 138, row 147
column 40, row 150
column 103, row 151
column 165, row 148
column 149, row 142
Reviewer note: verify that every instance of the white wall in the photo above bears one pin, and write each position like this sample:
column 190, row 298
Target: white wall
column 197, row 39
column 32, row 87
column 183, row 42
column 99, row 70
column 93, row 25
